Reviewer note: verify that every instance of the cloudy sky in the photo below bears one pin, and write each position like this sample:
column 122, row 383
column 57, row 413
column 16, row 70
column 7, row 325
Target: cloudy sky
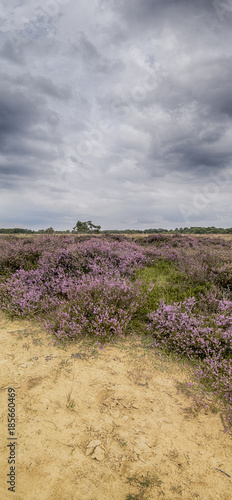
column 115, row 111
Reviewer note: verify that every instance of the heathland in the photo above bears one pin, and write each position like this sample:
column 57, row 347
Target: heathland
column 170, row 294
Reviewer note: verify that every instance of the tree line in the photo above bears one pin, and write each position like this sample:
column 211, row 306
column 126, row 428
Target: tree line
column 90, row 228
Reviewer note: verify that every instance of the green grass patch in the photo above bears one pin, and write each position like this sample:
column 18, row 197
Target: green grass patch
column 170, row 285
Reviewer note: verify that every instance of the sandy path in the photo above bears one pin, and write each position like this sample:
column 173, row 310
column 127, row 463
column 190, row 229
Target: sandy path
column 86, row 421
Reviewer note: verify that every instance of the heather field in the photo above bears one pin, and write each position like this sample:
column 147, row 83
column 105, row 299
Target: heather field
column 119, row 352
column 175, row 289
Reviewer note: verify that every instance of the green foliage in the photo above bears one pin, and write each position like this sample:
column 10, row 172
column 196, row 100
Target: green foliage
column 16, row 230
column 191, row 230
column 169, row 285
column 86, row 227
column 166, row 281
column 21, row 260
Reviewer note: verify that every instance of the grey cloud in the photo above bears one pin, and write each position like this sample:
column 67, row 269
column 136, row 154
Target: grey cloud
column 209, row 84
column 195, row 158
column 87, row 48
column 152, row 12
column 27, row 140
column 52, row 90
column 11, row 51
column 221, row 100
column 17, row 170
column 35, row 89
column 158, row 71
column 92, row 58
column 18, row 174
column 17, row 112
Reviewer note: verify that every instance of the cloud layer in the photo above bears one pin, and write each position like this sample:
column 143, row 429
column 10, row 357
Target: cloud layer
column 116, row 112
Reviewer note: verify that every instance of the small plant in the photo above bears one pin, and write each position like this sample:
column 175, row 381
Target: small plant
column 122, row 443
column 70, row 403
column 144, row 483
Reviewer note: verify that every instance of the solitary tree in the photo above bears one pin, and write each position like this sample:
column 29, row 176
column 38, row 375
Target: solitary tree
column 86, row 227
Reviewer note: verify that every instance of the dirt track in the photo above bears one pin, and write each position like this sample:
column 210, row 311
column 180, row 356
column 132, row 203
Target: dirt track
column 88, row 420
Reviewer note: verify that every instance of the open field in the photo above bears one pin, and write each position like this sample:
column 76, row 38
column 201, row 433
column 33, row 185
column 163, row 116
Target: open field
column 120, row 356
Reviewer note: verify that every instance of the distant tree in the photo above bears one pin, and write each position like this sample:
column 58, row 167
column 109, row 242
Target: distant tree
column 16, row 230
column 86, row 227
column 80, row 227
column 49, row 230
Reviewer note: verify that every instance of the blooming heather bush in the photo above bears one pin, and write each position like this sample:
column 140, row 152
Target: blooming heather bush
column 173, row 241
column 28, row 293
column 124, row 256
column 95, row 257
column 180, row 328
column 207, row 339
column 24, row 253
column 13, row 259
column 98, row 306
column 218, row 373
column 83, row 288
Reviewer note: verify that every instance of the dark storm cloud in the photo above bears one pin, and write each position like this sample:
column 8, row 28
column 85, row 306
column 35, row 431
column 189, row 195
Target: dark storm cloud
column 17, row 112
column 220, row 100
column 19, row 169
column 209, row 84
column 17, row 173
column 152, row 12
column 27, row 143
column 195, row 159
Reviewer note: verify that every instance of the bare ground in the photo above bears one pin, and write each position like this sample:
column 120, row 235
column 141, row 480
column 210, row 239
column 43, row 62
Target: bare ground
column 88, row 419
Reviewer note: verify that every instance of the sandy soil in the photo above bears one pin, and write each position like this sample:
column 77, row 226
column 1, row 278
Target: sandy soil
column 89, row 419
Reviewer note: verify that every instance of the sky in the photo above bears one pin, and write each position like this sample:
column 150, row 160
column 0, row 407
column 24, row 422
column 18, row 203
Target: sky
column 115, row 111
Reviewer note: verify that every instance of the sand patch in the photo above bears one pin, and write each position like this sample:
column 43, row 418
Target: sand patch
column 89, row 420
